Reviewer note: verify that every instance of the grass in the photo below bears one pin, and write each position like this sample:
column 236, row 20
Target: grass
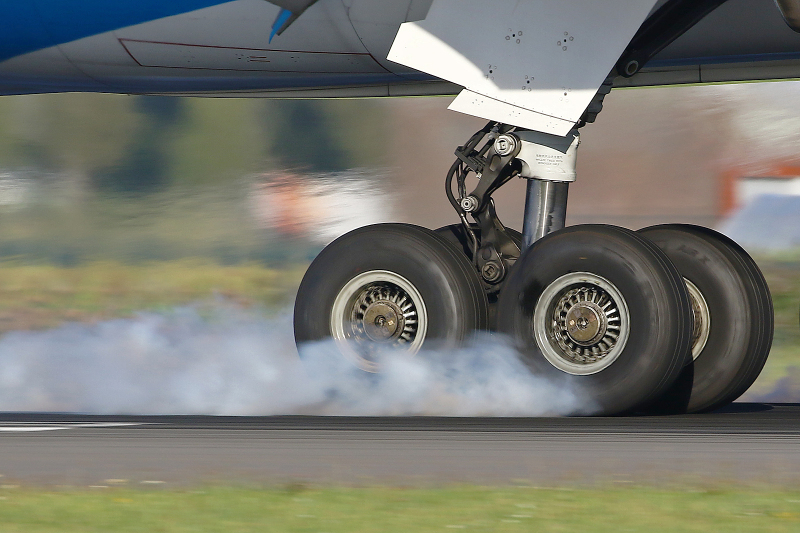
column 784, row 283
column 43, row 296
column 351, row 510
column 783, row 277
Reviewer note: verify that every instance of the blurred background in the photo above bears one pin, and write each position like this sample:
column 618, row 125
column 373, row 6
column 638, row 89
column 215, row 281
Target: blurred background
column 114, row 206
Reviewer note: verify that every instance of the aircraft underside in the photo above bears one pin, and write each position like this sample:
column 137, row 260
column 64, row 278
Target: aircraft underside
column 672, row 318
column 335, row 48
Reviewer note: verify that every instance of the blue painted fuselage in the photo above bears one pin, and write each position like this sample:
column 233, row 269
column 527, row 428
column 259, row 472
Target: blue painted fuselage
column 192, row 46
column 30, row 25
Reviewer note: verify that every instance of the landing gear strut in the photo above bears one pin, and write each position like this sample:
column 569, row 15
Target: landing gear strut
column 547, row 161
column 670, row 319
column 545, row 209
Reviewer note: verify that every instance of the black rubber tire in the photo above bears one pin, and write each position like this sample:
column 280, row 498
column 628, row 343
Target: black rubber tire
column 740, row 307
column 656, row 296
column 448, row 284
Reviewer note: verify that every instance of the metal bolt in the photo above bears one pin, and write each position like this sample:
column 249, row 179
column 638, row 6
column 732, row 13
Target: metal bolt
column 505, row 145
column 469, row 204
column 492, row 272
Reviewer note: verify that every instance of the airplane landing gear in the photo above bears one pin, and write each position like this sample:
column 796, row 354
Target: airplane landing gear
column 732, row 312
column 602, row 309
column 389, row 286
column 671, row 319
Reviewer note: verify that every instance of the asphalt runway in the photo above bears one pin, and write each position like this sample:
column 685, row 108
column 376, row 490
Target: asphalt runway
column 745, row 443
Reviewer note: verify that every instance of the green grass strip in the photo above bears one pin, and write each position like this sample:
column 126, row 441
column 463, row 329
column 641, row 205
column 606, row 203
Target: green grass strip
column 352, row 510
column 45, row 296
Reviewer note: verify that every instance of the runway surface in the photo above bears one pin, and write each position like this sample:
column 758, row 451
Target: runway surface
column 750, row 443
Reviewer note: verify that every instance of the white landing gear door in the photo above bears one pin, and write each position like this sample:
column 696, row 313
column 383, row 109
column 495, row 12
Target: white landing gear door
column 535, row 64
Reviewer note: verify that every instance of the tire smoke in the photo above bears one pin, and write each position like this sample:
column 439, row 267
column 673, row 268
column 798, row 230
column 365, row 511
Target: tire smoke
column 219, row 359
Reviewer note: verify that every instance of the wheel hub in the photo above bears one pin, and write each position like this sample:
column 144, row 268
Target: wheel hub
column 377, row 310
column 383, row 321
column 384, row 313
column 585, row 324
column 701, row 319
column 581, row 323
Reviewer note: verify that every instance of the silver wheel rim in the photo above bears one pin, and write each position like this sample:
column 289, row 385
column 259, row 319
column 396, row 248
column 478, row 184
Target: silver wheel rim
column 701, row 319
column 378, row 310
column 581, row 323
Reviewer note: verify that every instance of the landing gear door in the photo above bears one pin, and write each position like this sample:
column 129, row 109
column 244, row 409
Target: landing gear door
column 530, row 63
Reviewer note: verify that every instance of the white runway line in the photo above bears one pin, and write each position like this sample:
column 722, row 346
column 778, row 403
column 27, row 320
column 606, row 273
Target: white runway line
column 57, row 427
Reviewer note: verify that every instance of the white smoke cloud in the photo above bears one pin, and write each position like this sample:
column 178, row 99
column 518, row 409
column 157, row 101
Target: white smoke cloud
column 223, row 360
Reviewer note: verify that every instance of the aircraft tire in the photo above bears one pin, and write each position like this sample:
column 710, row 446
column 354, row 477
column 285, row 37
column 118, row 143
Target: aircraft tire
column 601, row 310
column 389, row 284
column 733, row 336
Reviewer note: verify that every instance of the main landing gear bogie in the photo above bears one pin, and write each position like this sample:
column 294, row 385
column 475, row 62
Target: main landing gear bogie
column 670, row 319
